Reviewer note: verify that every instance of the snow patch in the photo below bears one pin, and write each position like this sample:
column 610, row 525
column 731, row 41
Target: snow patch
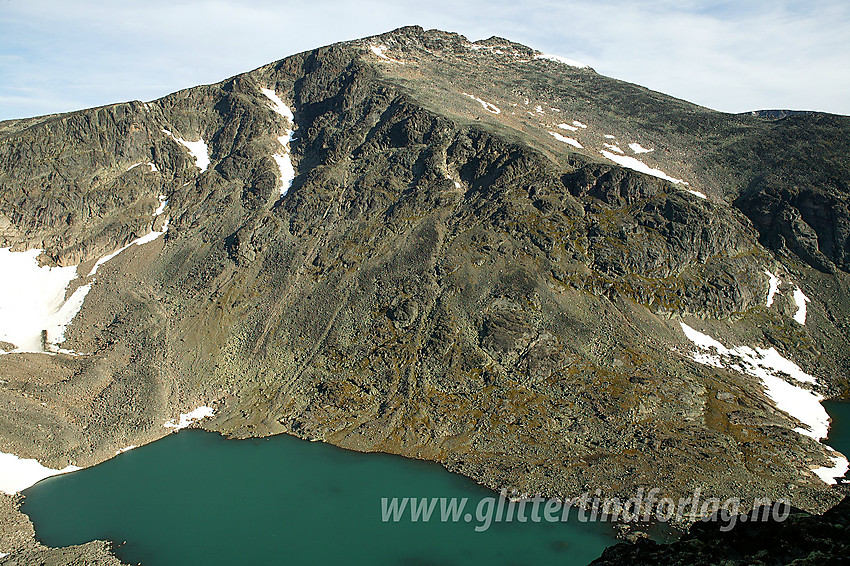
column 278, row 105
column 381, row 51
column 801, row 300
column 567, row 127
column 567, row 140
column 283, row 159
column 637, row 148
column 762, row 359
column 149, row 164
column 613, row 147
column 610, row 137
column 197, row 149
column 538, row 109
column 17, row 474
column 65, row 315
column 637, row 165
column 697, row 194
column 773, row 287
column 487, row 106
column 829, row 474
column 579, row 124
column 163, row 202
column 768, row 365
column 151, row 236
column 284, row 163
column 452, row 179
column 799, row 297
column 147, row 238
column 286, row 170
column 189, row 418
column 563, row 60
column 32, row 300
column 109, row 257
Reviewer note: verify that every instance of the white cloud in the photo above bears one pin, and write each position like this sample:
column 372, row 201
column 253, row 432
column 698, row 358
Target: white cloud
column 57, row 56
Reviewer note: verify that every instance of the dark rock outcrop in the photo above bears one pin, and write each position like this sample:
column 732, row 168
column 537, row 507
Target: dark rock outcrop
column 801, row 539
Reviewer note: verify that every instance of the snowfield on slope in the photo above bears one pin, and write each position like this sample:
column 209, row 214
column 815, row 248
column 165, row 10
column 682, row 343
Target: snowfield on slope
column 17, row 474
column 567, row 127
column 283, row 159
column 637, row 165
column 801, row 300
column 186, row 419
column 769, row 365
column 636, row 148
column 381, row 52
column 33, row 299
column 830, row 474
column 197, row 149
column 566, row 140
column 563, row 60
column 773, row 287
column 278, row 105
column 149, row 237
column 487, row 106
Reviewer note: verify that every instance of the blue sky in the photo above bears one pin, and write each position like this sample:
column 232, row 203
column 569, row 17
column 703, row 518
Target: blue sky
column 57, row 55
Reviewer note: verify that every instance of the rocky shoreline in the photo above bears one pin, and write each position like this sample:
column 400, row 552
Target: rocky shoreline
column 20, row 547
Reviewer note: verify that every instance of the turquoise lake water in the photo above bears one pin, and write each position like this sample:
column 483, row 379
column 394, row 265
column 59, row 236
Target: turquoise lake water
column 197, row 498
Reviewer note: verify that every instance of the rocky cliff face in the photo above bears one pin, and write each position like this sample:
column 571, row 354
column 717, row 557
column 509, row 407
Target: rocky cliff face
column 445, row 278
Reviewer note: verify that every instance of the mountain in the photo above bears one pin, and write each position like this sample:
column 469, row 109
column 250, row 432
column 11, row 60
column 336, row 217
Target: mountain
column 472, row 253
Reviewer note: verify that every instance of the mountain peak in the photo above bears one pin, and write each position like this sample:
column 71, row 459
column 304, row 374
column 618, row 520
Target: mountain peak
column 539, row 276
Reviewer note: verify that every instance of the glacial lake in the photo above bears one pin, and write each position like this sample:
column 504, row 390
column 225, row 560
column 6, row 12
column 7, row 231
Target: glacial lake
column 196, row 498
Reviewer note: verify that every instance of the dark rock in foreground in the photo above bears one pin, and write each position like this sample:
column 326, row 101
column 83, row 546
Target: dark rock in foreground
column 802, row 539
